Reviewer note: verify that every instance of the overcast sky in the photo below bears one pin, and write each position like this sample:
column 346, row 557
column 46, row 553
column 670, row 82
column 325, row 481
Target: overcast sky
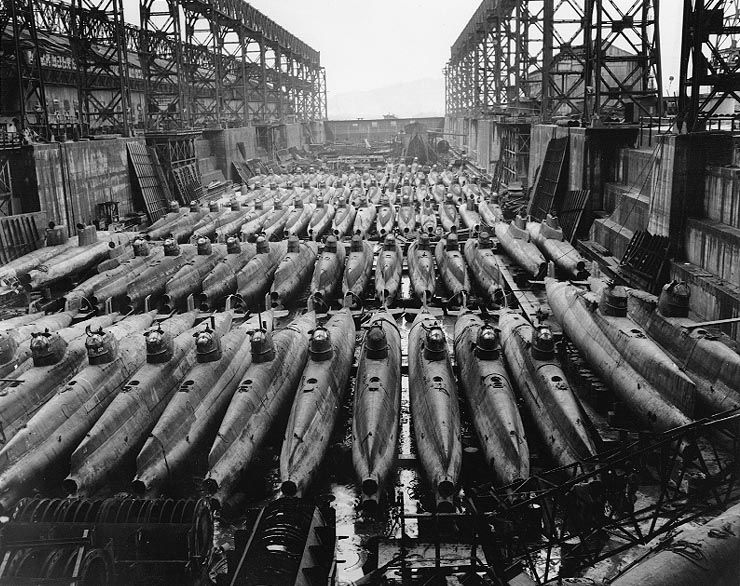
column 368, row 44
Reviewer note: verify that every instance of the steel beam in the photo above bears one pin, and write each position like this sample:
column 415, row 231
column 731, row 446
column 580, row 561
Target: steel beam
column 710, row 68
column 590, row 512
column 581, row 59
column 18, row 19
column 203, row 64
column 624, row 63
column 162, row 64
column 101, row 55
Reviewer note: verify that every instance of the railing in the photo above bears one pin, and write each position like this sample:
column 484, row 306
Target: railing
column 10, row 140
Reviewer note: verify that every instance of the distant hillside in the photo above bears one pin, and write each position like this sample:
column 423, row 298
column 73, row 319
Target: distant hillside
column 412, row 99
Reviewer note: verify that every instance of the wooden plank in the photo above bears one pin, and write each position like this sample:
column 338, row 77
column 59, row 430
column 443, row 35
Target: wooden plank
column 5, row 246
column 151, row 185
column 571, row 212
column 20, row 234
column 243, row 170
column 548, row 184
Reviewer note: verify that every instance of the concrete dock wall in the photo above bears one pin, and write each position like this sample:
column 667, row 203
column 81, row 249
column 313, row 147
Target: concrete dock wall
column 722, row 195
column 69, row 179
column 225, row 147
column 714, row 246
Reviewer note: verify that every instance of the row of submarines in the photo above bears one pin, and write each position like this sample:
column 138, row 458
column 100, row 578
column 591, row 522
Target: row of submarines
column 158, row 400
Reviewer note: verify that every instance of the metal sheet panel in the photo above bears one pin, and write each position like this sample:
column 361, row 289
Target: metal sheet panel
column 153, row 188
column 21, row 234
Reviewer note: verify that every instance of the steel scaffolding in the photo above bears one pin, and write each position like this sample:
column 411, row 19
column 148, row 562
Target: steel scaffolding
column 710, row 62
column 203, row 64
column 99, row 48
column 580, row 59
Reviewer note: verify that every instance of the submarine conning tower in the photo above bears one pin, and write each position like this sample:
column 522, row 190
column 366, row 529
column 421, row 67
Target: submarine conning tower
column 171, row 248
column 263, row 246
column 263, row 349
column 320, row 347
column 207, row 345
column 232, row 245
column 204, row 246
column 674, row 299
column 141, row 247
column 101, row 347
column 376, row 342
column 552, row 221
column 159, row 345
column 47, row 348
column 484, row 240
column 435, row 346
column 356, row 244
column 487, row 344
column 452, row 243
column 331, row 244
column 8, row 347
column 543, row 343
column 294, row 243
column 173, row 206
column 613, row 300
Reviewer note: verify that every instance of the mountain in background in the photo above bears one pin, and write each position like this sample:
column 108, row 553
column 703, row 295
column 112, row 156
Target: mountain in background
column 411, row 99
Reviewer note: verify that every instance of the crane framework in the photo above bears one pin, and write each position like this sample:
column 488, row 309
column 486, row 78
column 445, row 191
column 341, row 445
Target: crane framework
column 592, row 59
column 550, row 58
column 201, row 64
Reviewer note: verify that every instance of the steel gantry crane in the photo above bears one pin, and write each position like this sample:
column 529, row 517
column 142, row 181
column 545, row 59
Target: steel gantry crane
column 709, row 83
column 198, row 63
column 580, row 59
